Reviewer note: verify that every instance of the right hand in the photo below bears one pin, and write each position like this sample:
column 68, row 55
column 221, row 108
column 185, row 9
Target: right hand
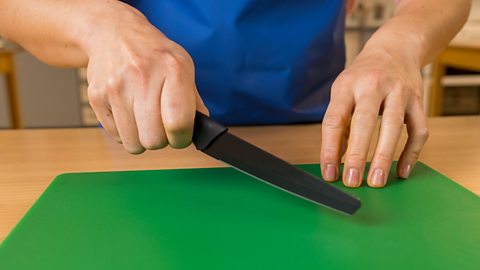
column 141, row 84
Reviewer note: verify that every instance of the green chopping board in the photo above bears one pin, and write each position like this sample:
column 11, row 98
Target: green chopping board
column 222, row 219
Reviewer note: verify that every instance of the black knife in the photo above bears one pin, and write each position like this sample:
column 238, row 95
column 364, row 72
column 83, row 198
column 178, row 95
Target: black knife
column 214, row 139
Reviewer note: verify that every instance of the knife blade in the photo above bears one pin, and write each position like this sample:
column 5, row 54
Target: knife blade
column 216, row 141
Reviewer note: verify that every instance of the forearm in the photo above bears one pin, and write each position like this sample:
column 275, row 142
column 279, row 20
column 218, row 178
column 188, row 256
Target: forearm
column 419, row 29
column 58, row 32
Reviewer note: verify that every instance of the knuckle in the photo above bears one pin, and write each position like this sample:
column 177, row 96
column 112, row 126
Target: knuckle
column 154, row 142
column 173, row 106
column 180, row 144
column 395, row 121
column 134, row 150
column 137, row 64
column 177, row 125
column 398, row 85
column 422, row 134
column 175, row 63
column 112, row 87
column 177, row 128
column 355, row 158
column 369, row 99
column 417, row 93
column 342, row 85
column 383, row 158
column 333, row 122
column 109, row 86
column 113, row 90
column 375, row 76
column 139, row 68
column 343, row 78
column 368, row 117
column 96, row 97
column 329, row 155
column 415, row 154
column 398, row 101
column 367, row 113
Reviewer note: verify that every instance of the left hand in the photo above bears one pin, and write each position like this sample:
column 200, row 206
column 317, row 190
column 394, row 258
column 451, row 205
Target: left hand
column 378, row 82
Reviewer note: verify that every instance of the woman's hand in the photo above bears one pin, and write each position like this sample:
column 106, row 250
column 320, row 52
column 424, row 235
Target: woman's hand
column 141, row 84
column 379, row 81
column 385, row 79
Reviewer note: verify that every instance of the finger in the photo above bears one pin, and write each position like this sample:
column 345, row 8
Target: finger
column 362, row 127
column 147, row 109
column 333, row 129
column 344, row 146
column 122, row 109
column 178, row 106
column 345, row 138
column 100, row 106
column 417, row 137
column 390, row 130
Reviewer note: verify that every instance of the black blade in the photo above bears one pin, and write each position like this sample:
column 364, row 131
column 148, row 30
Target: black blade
column 272, row 170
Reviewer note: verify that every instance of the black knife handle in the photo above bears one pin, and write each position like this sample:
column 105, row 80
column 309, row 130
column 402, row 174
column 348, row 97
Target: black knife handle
column 205, row 131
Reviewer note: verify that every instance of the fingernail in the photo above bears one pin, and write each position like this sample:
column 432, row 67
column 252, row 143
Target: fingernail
column 378, row 178
column 352, row 178
column 406, row 171
column 330, row 172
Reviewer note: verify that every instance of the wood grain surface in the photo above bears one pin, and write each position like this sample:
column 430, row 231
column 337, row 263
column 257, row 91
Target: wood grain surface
column 30, row 159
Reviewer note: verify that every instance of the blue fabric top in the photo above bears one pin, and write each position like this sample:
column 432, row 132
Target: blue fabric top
column 258, row 61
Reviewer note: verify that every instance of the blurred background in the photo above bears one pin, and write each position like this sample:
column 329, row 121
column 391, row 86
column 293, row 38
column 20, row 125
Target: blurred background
column 35, row 95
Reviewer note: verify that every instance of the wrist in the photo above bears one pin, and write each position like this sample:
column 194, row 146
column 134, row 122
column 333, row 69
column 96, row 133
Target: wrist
column 408, row 47
column 104, row 22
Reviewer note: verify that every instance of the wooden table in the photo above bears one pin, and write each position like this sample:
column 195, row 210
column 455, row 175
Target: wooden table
column 7, row 68
column 30, row 159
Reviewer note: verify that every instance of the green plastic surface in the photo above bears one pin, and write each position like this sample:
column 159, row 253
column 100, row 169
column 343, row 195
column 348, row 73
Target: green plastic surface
column 222, row 219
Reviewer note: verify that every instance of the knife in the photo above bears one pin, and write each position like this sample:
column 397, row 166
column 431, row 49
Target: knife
column 214, row 139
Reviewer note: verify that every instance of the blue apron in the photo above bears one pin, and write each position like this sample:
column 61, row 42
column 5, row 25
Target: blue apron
column 257, row 61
